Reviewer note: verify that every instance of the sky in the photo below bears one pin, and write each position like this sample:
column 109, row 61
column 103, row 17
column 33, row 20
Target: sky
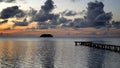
column 77, row 5
column 101, row 16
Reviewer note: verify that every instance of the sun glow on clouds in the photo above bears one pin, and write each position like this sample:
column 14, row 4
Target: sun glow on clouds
column 82, row 32
column 6, row 25
column 32, row 25
column 11, row 21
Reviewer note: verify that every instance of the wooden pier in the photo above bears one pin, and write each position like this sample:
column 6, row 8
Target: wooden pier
column 98, row 45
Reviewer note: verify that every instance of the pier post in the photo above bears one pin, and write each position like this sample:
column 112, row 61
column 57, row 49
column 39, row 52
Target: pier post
column 76, row 43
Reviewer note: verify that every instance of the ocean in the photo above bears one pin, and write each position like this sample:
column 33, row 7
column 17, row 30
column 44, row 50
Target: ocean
column 56, row 53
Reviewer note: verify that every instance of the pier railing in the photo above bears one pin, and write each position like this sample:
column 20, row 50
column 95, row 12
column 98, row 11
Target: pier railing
column 98, row 45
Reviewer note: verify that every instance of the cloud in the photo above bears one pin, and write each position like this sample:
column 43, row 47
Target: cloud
column 45, row 13
column 82, row 12
column 8, row 28
column 11, row 12
column 69, row 13
column 103, row 19
column 81, row 0
column 45, row 17
column 101, row 0
column 75, row 0
column 8, row 1
column 24, row 23
column 21, row 24
column 2, row 22
column 48, row 6
column 76, row 23
column 96, row 15
column 32, row 12
column 72, row 13
column 116, row 24
column 79, row 23
column 63, row 20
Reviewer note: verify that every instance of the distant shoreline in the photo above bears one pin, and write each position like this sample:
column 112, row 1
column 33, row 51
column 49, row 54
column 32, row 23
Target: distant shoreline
column 31, row 36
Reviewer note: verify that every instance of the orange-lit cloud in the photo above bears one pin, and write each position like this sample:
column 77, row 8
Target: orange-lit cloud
column 6, row 25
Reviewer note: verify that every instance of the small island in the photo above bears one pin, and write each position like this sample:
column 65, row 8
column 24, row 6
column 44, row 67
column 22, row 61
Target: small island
column 46, row 35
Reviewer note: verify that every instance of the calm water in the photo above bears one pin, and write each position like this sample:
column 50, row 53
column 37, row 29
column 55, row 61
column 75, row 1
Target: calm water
column 56, row 53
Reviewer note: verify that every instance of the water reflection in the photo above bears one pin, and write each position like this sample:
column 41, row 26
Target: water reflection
column 47, row 52
column 96, row 58
column 10, row 54
column 27, row 54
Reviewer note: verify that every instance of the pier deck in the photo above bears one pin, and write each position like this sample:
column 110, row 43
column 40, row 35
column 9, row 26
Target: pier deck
column 98, row 45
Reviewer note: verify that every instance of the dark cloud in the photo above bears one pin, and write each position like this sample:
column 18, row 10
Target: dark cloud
column 48, row 6
column 60, row 22
column 8, row 28
column 45, row 17
column 20, row 14
column 8, row 1
column 32, row 12
column 21, row 24
column 96, row 15
column 103, row 19
column 81, row 0
column 116, row 24
column 69, row 13
column 72, row 13
column 101, row 0
column 82, row 12
column 79, row 23
column 75, row 0
column 24, row 23
column 63, row 20
column 11, row 12
column 45, row 12
column 76, row 23
column 5, row 21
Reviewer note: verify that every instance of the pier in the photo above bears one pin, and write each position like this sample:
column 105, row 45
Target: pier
column 98, row 45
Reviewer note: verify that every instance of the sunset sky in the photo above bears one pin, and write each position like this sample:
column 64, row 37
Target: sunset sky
column 78, row 17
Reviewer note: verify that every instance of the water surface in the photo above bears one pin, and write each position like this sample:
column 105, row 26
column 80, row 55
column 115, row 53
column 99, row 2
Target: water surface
column 56, row 53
